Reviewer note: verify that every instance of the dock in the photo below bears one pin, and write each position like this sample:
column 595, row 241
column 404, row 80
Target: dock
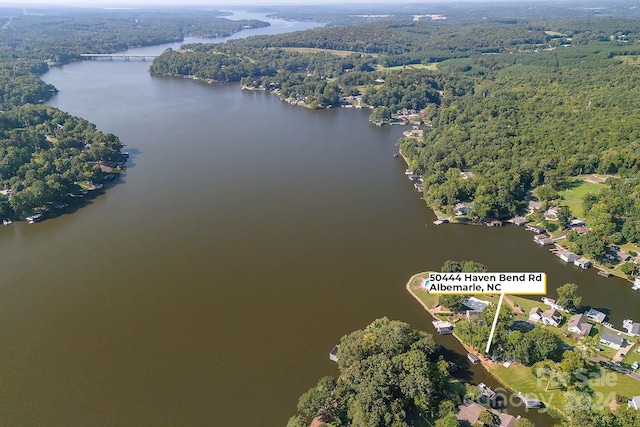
column 333, row 354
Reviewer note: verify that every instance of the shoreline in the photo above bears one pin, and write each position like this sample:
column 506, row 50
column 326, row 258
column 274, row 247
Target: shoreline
column 485, row 362
column 496, row 370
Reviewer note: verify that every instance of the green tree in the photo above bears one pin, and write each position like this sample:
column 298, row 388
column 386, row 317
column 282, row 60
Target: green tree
column 318, row 401
column 524, row 422
column 487, row 418
column 296, row 421
column 568, row 297
column 448, row 420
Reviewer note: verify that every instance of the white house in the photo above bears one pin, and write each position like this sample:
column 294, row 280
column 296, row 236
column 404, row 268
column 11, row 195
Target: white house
column 579, row 325
column 595, row 315
column 535, row 314
column 612, row 340
column 552, row 317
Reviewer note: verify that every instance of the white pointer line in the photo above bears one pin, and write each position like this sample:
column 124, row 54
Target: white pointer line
column 495, row 322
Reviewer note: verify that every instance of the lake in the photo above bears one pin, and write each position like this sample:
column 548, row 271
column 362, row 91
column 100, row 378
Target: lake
column 208, row 284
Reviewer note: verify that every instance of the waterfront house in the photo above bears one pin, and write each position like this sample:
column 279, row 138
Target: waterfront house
column 619, row 253
column 535, row 314
column 475, row 304
column 634, row 403
column 612, row 340
column 469, row 413
column 552, row 317
column 583, row 262
column 494, row 223
column 633, row 328
column 578, row 324
column 595, row 315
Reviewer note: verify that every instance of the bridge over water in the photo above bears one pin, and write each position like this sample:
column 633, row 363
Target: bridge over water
column 110, row 56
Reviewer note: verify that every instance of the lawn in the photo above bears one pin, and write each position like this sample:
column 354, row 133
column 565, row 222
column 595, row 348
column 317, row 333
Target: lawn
column 605, row 384
column 574, row 193
column 340, row 53
column 632, row 356
column 411, row 67
column 414, row 286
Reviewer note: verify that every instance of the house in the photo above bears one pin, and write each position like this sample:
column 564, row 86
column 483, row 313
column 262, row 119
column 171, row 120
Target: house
column 633, row 328
column 635, row 403
column 577, row 222
column 494, row 223
column 583, row 263
column 595, row 315
column 535, row 314
column 534, row 206
column 612, row 340
column 468, row 413
column 506, row 420
column 476, row 304
column 580, row 229
column 552, row 213
column 579, row 325
column 466, row 174
column 568, row 257
column 552, row 317
column 462, row 209
column 619, row 253
column 474, row 315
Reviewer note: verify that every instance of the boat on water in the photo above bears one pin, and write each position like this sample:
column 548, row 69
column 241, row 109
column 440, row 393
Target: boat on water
column 529, row 402
column 6, row 221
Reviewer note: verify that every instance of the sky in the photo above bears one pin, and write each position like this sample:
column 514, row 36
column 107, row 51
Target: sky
column 215, row 3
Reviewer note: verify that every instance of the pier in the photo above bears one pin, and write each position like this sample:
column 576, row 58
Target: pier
column 110, row 56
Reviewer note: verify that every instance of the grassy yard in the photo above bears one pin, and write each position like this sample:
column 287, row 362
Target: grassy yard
column 411, row 67
column 573, row 195
column 632, row 356
column 415, row 288
column 340, row 53
column 605, row 384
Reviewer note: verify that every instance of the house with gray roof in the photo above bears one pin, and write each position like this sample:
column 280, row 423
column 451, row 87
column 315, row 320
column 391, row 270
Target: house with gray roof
column 612, row 340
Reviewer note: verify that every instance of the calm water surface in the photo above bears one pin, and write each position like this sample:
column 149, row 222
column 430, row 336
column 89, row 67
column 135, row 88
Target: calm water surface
column 207, row 286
